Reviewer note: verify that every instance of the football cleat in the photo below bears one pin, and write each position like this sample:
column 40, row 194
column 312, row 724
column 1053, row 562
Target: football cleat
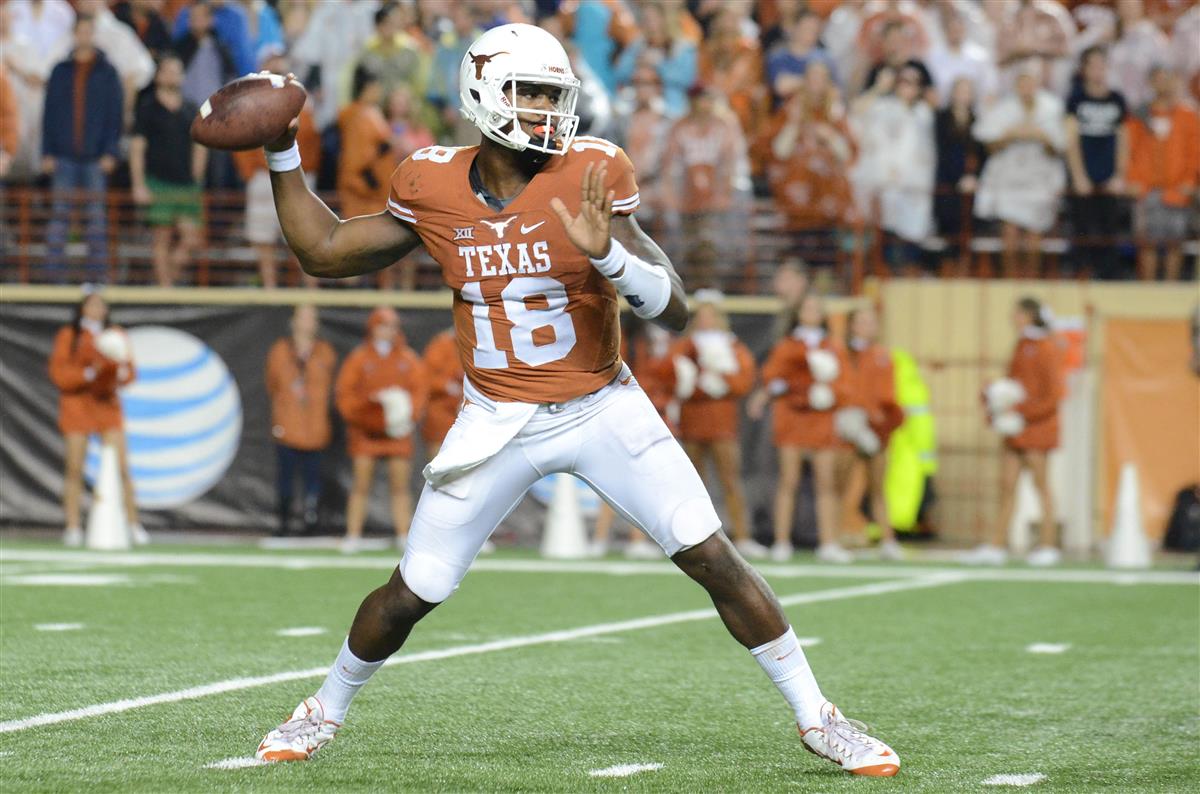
column 752, row 550
column 834, row 553
column 300, row 736
column 781, row 552
column 1044, row 557
column 846, row 743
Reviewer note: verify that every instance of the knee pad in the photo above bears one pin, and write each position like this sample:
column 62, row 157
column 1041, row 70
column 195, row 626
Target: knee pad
column 693, row 521
column 431, row 579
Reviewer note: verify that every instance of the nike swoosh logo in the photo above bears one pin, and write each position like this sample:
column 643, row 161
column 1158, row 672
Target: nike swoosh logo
column 786, row 655
column 527, row 229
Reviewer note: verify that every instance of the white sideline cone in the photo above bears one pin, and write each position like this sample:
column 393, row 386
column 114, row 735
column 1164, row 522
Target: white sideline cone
column 565, row 536
column 1026, row 512
column 1127, row 545
column 107, row 529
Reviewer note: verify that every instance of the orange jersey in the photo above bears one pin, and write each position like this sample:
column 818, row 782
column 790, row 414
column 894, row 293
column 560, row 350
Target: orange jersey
column 786, row 373
column 86, row 405
column 871, row 385
column 445, row 387
column 1037, row 364
column 535, row 322
column 704, row 418
column 299, row 391
column 364, row 374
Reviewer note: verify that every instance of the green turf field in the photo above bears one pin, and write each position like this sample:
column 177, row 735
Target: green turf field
column 545, row 678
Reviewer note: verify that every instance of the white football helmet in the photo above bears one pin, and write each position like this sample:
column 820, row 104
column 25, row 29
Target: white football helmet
column 491, row 69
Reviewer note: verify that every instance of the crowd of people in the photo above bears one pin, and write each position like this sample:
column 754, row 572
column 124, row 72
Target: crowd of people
column 927, row 120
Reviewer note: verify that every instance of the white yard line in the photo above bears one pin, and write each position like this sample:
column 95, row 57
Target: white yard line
column 235, row 763
column 1048, row 647
column 57, row 626
column 301, row 631
column 624, row 770
column 1027, row 779
column 565, row 635
column 608, row 567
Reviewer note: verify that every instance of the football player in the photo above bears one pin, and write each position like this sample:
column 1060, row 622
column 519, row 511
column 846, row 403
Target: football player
column 534, row 232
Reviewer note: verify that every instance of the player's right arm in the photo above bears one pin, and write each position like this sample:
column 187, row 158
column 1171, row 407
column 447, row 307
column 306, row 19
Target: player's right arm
column 326, row 245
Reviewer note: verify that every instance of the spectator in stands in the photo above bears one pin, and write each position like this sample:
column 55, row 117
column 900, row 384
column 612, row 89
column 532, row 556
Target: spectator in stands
column 960, row 57
column 1023, row 177
column 144, row 17
column 598, row 29
column 299, row 379
column 44, row 23
column 667, row 42
column 397, row 58
column 1097, row 158
column 871, row 390
column 27, row 69
column 167, row 171
column 87, row 373
column 960, row 158
column 261, row 223
column 896, row 162
column 10, row 123
column 228, row 25
column 1184, row 52
column 899, row 48
column 332, row 39
column 809, row 149
column 120, row 45
column 409, row 132
column 1040, row 32
column 264, row 29
column 644, row 139
column 381, row 392
column 1028, row 424
column 1164, row 171
column 713, row 372
column 452, row 45
column 208, row 61
column 81, row 129
column 445, row 389
column 1140, row 45
column 806, row 388
column 731, row 62
column 787, row 64
column 700, row 166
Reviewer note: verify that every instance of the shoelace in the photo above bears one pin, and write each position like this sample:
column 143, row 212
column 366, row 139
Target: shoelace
column 296, row 729
column 843, row 733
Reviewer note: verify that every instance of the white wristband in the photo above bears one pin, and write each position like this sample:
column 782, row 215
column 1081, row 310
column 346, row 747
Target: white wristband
column 286, row 160
column 645, row 286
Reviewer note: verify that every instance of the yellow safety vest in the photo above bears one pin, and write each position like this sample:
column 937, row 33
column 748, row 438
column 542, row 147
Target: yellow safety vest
column 912, row 450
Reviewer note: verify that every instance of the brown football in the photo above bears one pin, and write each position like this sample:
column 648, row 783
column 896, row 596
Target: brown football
column 248, row 112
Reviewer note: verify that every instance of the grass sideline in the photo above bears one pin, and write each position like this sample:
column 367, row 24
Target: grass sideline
column 940, row 671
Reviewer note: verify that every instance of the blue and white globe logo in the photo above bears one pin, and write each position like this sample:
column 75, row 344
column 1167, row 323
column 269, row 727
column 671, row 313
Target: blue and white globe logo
column 183, row 418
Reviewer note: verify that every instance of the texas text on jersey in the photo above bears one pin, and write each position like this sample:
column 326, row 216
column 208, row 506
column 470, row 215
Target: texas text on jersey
column 535, row 321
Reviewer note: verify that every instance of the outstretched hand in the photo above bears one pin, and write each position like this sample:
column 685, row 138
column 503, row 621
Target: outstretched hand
column 590, row 229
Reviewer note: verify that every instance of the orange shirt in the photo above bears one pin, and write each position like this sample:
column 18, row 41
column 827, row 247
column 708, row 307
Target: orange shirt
column 1037, row 364
column 251, row 161
column 299, row 390
column 1170, row 163
column 699, row 164
column 736, row 69
column 86, row 405
column 535, row 322
column 871, row 385
column 810, row 186
column 364, row 374
column 787, row 376
column 445, row 386
column 366, row 160
column 651, row 364
column 10, row 115
column 703, row 418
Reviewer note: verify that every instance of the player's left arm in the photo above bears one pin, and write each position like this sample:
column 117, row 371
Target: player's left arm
column 623, row 253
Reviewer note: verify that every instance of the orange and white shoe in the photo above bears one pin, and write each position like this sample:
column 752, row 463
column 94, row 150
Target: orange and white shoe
column 299, row 737
column 846, row 743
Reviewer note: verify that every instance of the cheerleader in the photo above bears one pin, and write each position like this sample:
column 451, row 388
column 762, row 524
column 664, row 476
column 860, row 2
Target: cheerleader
column 381, row 393
column 871, row 415
column 805, row 376
column 1023, row 409
column 91, row 360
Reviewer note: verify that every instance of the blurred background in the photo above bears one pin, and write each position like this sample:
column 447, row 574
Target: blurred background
column 937, row 159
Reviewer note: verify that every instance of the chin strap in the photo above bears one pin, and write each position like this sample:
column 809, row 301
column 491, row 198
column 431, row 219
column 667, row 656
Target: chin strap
column 645, row 286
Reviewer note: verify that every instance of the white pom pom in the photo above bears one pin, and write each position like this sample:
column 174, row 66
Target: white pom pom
column 714, row 350
column 820, row 396
column 113, row 344
column 868, row 442
column 686, row 373
column 713, row 384
column 397, row 411
column 1003, row 394
column 848, row 423
column 823, row 365
column 1009, row 423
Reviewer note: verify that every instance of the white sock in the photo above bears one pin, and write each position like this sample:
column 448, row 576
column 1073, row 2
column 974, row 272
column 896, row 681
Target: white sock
column 783, row 661
column 345, row 678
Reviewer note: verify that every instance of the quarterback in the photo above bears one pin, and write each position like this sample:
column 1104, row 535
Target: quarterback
column 534, row 232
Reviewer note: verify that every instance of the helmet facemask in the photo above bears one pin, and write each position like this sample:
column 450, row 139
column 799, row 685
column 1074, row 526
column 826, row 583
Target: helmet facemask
column 558, row 124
